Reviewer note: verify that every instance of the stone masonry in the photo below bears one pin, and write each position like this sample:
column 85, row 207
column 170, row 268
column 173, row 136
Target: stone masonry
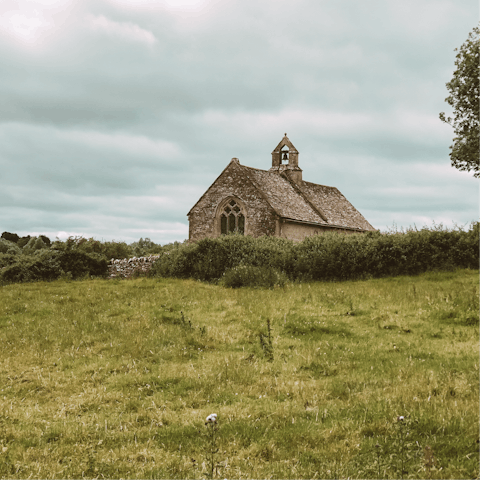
column 128, row 267
column 274, row 202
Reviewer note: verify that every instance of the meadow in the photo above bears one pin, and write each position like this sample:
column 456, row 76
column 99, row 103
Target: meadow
column 363, row 379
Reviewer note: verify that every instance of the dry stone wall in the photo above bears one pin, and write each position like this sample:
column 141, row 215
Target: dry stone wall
column 128, row 267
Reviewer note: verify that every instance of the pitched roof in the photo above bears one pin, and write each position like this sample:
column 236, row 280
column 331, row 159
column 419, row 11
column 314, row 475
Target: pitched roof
column 282, row 195
column 337, row 209
column 306, row 202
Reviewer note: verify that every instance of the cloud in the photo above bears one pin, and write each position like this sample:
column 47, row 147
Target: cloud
column 126, row 30
column 118, row 114
column 32, row 21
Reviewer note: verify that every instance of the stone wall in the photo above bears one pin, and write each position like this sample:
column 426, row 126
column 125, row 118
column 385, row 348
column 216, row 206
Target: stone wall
column 298, row 232
column 260, row 219
column 127, row 267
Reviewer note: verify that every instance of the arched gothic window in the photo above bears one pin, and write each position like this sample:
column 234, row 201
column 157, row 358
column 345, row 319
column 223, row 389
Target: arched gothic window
column 232, row 218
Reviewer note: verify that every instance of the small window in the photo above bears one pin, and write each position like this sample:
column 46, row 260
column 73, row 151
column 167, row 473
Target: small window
column 232, row 220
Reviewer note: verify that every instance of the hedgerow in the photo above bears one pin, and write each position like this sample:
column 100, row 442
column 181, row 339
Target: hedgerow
column 209, row 259
column 331, row 256
column 52, row 264
column 27, row 259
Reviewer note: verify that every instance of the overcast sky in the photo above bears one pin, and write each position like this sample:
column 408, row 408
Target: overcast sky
column 116, row 115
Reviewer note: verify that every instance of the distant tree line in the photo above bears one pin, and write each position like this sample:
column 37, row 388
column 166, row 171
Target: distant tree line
column 33, row 258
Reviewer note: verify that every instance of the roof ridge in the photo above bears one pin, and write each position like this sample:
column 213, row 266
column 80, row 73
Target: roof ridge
column 307, row 198
column 282, row 177
column 254, row 168
column 320, row 185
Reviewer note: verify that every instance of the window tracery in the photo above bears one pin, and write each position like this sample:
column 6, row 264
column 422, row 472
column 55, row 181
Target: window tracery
column 232, row 219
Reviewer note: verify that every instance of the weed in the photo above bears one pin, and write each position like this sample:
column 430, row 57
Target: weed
column 266, row 342
column 403, row 446
column 212, row 447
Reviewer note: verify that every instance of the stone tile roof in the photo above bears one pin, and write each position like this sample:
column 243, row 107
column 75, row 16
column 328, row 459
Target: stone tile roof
column 306, row 202
column 283, row 196
column 337, row 209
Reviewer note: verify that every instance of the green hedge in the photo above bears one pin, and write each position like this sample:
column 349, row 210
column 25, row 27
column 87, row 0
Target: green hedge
column 250, row 276
column 50, row 265
column 210, row 258
column 331, row 256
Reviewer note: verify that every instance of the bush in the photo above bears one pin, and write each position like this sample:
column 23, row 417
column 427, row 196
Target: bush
column 327, row 257
column 52, row 264
column 145, row 247
column 23, row 241
column 8, row 247
column 80, row 264
column 210, row 258
column 90, row 245
column 34, row 244
column 7, row 259
column 250, row 276
column 45, row 266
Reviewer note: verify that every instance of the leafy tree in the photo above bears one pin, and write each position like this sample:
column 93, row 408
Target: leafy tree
column 464, row 99
column 46, row 240
column 145, row 247
column 34, row 244
column 9, row 247
column 23, row 241
column 11, row 237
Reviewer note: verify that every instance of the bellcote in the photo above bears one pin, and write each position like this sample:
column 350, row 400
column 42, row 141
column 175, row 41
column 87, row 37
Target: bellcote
column 285, row 159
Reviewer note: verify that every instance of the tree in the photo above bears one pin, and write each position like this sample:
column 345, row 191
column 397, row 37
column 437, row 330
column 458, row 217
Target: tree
column 46, row 240
column 23, row 241
column 464, row 99
column 11, row 237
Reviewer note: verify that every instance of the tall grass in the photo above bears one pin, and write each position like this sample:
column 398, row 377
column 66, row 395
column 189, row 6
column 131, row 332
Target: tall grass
column 115, row 379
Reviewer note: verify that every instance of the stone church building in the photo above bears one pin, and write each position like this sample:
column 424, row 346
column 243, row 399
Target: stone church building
column 276, row 202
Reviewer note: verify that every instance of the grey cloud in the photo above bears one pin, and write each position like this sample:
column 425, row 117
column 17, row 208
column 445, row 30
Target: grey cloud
column 126, row 107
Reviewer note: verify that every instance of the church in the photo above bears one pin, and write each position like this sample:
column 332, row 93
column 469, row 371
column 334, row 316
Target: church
column 278, row 202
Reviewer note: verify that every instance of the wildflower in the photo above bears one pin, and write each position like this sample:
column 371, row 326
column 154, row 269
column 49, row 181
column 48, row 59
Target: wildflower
column 212, row 418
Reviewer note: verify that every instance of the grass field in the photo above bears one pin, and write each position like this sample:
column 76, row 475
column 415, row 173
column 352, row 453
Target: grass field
column 115, row 379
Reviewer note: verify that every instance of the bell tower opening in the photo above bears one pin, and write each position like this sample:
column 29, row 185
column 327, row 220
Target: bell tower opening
column 284, row 155
column 285, row 160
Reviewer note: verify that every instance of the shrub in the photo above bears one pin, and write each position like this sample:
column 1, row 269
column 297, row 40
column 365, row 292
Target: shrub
column 327, row 257
column 116, row 250
column 23, row 241
column 210, row 258
column 33, row 268
column 51, row 264
column 90, row 245
column 145, row 247
column 80, row 264
column 34, row 244
column 250, row 276
column 8, row 247
column 7, row 259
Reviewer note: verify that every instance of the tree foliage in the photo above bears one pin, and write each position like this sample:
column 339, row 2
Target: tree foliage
column 464, row 99
column 11, row 237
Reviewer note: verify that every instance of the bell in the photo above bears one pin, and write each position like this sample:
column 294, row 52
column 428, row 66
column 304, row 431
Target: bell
column 285, row 156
